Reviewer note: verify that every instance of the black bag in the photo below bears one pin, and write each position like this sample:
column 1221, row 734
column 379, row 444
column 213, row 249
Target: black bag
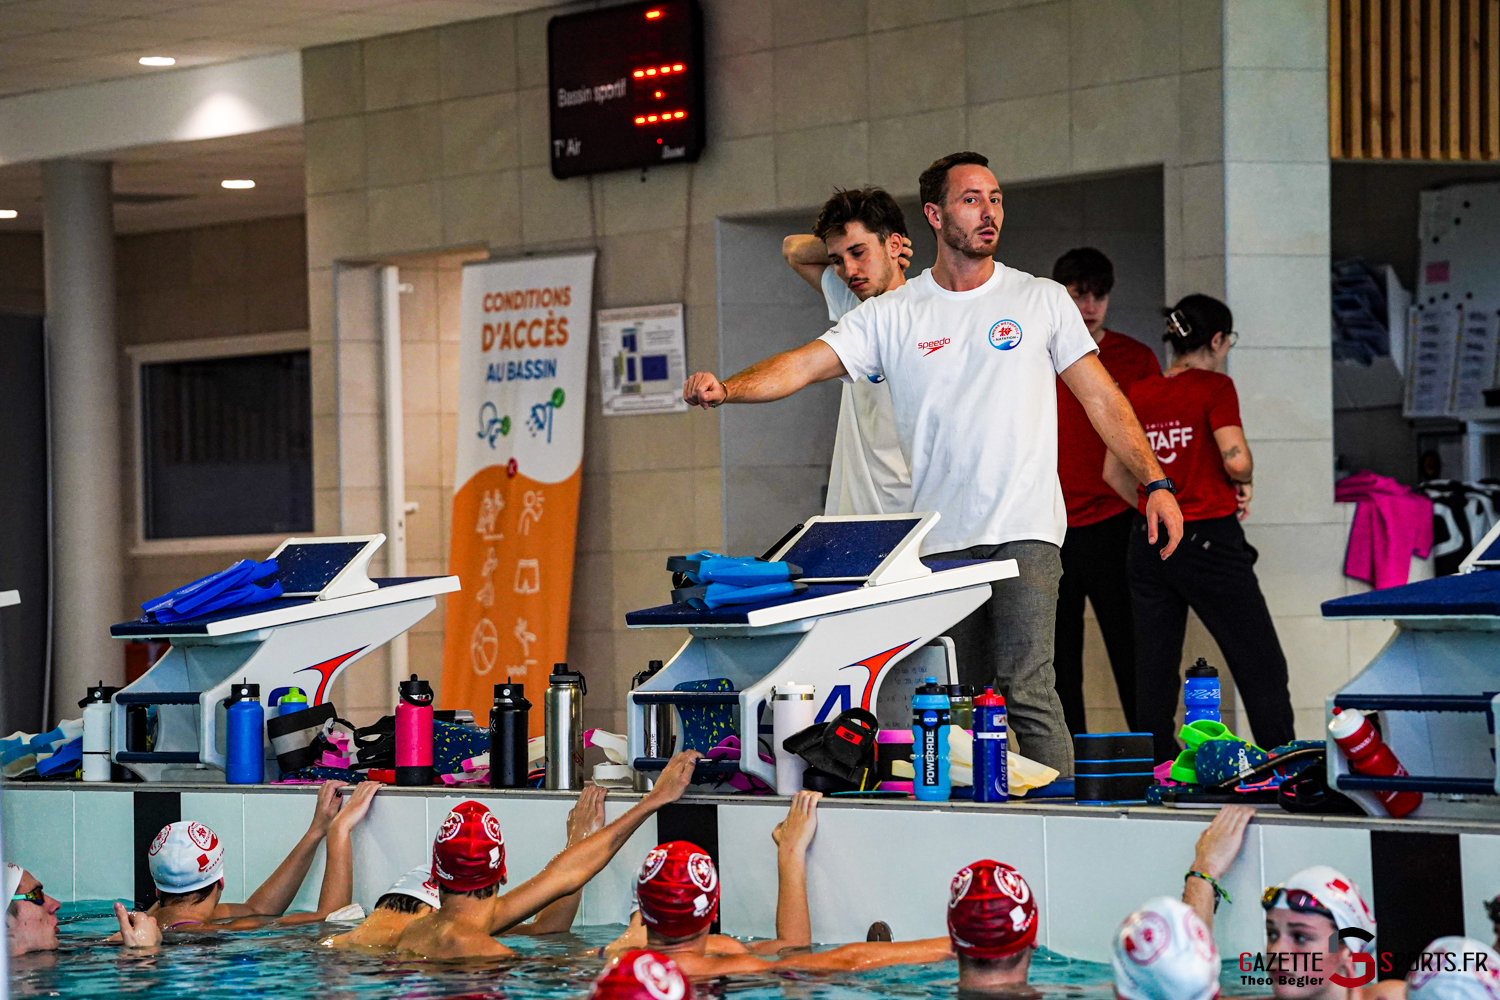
column 843, row 747
column 375, row 745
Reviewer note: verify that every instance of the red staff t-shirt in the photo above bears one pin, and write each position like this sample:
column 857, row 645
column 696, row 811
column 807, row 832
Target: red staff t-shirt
column 1180, row 415
column 1080, row 450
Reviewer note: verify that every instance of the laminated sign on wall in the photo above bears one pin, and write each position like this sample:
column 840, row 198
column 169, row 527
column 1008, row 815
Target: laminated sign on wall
column 642, row 359
column 523, row 366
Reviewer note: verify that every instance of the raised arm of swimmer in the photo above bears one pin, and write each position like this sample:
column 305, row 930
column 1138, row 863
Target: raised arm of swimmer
column 571, row 870
column 776, row 377
column 584, row 820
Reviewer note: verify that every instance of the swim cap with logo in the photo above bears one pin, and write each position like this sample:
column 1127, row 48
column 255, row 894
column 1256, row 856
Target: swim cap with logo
column 642, row 975
column 185, row 856
column 991, row 911
column 417, row 884
column 468, row 852
column 1339, row 896
column 678, row 888
column 1432, row 979
column 1164, row 952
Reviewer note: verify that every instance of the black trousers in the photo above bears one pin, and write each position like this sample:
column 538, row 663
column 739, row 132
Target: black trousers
column 1213, row 573
column 1093, row 563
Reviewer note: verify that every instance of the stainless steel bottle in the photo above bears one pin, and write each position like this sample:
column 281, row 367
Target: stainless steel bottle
column 657, row 723
column 562, row 714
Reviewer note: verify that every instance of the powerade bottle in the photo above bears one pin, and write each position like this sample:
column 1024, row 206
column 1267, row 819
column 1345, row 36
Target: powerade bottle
column 991, row 777
column 929, row 733
column 245, row 723
column 414, row 733
column 1200, row 695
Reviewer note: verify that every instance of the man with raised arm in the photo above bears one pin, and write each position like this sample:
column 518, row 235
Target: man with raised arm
column 971, row 349
column 468, row 863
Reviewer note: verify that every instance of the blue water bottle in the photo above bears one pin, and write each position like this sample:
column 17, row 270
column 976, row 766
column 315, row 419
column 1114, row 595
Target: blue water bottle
column 991, row 777
column 929, row 733
column 1201, row 694
column 245, row 736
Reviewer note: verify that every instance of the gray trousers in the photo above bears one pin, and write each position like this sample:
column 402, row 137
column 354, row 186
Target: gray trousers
column 1007, row 644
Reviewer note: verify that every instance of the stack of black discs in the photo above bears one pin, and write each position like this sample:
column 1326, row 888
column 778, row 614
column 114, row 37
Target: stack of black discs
column 1111, row 768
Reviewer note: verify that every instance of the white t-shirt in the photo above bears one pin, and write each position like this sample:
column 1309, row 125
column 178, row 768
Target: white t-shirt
column 869, row 474
column 973, row 383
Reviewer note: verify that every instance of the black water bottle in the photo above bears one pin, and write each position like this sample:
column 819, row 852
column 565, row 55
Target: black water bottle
column 508, row 734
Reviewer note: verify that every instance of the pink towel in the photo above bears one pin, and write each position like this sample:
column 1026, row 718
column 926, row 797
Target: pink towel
column 1391, row 524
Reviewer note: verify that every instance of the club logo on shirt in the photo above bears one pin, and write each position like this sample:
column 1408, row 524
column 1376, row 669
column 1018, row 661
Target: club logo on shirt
column 929, row 346
column 1166, row 439
column 1005, row 335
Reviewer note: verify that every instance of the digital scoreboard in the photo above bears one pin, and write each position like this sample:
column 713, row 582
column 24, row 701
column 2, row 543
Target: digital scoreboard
column 625, row 86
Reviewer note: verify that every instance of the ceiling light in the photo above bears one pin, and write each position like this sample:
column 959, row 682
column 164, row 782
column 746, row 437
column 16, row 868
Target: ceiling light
column 8, row 213
column 234, row 185
column 157, row 61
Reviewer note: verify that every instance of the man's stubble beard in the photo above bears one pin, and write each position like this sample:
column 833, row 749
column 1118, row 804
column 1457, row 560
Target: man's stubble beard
column 961, row 241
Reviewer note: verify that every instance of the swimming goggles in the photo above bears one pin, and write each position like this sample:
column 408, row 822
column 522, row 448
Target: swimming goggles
column 34, row 896
column 1297, row 900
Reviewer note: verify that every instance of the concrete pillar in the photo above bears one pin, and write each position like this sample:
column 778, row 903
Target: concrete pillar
column 88, row 564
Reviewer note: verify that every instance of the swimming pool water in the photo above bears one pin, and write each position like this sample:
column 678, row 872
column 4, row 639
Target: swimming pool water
column 287, row 963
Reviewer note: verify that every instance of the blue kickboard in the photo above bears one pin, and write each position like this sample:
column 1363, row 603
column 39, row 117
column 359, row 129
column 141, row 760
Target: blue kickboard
column 199, row 625
column 1464, row 595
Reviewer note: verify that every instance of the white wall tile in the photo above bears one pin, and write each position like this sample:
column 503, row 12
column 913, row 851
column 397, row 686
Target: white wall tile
column 1122, row 125
column 272, row 829
column 1000, row 66
column 1480, row 856
column 1276, row 208
column 391, row 841
column 1285, row 392
column 606, row 900
column 224, row 814
column 1025, row 138
column 1287, row 850
column 1279, row 301
column 1290, row 34
column 1293, row 482
column 1276, row 115
column 38, row 826
column 104, row 867
column 1111, row 42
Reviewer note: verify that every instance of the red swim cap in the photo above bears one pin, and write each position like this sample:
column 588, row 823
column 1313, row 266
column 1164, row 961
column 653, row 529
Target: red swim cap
column 678, row 887
column 469, row 852
column 642, row 975
column 991, row 911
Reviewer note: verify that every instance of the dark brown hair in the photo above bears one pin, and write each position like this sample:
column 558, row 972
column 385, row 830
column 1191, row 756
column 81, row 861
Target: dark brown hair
column 1198, row 317
column 933, row 184
column 871, row 207
column 1085, row 269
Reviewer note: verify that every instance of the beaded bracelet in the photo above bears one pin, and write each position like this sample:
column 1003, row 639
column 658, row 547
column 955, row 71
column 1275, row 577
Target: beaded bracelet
column 1219, row 892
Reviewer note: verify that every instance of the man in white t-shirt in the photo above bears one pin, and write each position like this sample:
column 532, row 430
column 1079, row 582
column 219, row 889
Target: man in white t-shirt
column 970, row 349
column 858, row 249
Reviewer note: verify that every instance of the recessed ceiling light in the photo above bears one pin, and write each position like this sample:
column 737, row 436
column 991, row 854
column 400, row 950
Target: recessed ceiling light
column 157, row 61
column 8, row 213
column 237, row 185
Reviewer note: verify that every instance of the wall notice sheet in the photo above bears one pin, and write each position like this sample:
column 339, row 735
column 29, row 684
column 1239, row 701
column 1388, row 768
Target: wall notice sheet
column 1432, row 343
column 642, row 359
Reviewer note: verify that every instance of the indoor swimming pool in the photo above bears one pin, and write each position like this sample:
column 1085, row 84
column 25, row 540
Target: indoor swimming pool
column 286, row 963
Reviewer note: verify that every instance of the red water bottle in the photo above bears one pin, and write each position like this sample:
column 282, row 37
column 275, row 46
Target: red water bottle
column 1368, row 754
column 414, row 733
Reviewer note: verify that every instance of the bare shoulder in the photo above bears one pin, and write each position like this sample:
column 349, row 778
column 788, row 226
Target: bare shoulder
column 708, row 966
column 722, row 944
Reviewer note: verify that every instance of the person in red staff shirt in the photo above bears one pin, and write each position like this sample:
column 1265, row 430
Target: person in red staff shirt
column 1192, row 420
column 1093, row 552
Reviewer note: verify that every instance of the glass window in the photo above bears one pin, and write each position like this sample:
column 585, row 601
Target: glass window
column 227, row 446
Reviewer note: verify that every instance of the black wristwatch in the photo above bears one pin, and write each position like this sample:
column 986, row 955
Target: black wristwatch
column 1161, row 484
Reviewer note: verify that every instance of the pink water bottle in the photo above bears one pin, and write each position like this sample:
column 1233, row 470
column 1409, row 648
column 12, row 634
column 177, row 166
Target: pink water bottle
column 414, row 733
column 1369, row 754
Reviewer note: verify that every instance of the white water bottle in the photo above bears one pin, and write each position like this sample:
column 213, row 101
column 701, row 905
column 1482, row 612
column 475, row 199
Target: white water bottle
column 793, row 709
column 97, row 717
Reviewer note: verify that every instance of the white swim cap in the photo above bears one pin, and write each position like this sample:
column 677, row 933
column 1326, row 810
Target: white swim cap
column 186, row 856
column 13, row 874
column 1337, row 894
column 1164, row 952
column 1446, row 970
column 418, row 884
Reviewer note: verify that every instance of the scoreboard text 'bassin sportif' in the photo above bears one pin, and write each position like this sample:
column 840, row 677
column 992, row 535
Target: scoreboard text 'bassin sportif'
column 626, row 87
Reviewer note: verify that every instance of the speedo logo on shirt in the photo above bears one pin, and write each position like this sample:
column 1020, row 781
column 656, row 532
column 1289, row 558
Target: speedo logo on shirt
column 928, row 346
column 1166, row 439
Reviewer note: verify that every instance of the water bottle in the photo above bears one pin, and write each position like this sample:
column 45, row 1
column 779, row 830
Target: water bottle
column 294, row 700
column 1200, row 694
column 1369, row 754
column 414, row 733
column 656, row 724
column 961, row 706
column 991, row 776
column 245, row 737
column 562, row 715
column 794, row 707
column 929, row 731
column 98, row 720
column 508, row 732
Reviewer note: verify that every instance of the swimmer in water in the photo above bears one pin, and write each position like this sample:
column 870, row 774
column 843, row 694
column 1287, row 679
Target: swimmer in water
column 468, row 863
column 187, row 865
column 1303, row 917
column 1164, row 951
column 1455, row 968
column 642, row 975
column 31, row 915
column 415, row 894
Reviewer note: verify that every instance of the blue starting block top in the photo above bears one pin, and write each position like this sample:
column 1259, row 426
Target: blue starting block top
column 1465, row 595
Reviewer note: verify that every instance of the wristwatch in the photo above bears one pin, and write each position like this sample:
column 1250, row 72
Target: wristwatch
column 1161, row 484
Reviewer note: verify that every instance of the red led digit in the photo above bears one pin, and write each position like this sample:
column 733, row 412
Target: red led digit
column 652, row 15
column 677, row 67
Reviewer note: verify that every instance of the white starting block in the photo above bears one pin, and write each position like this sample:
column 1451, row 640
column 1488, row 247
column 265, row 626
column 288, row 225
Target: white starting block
column 330, row 615
column 871, row 601
column 1436, row 687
